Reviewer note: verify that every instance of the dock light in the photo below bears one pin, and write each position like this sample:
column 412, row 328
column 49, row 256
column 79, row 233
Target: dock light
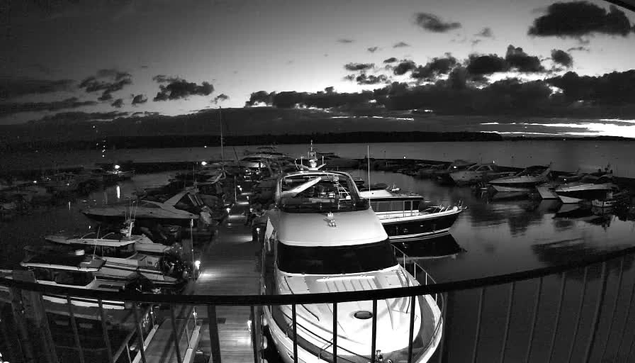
column 204, row 162
column 197, row 264
column 117, row 167
column 205, row 147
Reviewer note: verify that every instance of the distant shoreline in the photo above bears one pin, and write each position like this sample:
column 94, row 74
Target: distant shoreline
column 174, row 141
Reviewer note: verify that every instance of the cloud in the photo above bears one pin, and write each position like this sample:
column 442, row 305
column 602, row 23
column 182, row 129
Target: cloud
column 435, row 67
column 390, row 60
column 561, row 57
column 363, row 79
column 404, row 67
column 106, row 81
column 485, row 33
column 118, row 103
column 579, row 18
column 139, row 99
column 579, row 49
column 486, row 64
column 358, row 66
column 106, row 96
column 13, row 108
column 401, row 45
column 220, row 98
column 434, row 24
column 258, row 98
column 161, row 78
column 521, row 61
column 73, row 117
column 616, row 88
column 178, row 88
column 12, row 88
column 345, row 41
column 372, row 49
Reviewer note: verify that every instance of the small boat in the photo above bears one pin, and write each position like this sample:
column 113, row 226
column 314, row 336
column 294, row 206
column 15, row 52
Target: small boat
column 60, row 183
column 407, row 216
column 321, row 237
column 588, row 188
column 443, row 176
column 178, row 210
column 75, row 271
column 478, row 173
column 523, row 181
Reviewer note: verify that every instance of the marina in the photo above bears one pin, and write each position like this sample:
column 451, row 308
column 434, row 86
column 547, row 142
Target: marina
column 521, row 233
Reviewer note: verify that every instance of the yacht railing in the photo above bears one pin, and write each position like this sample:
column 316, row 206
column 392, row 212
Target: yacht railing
column 597, row 328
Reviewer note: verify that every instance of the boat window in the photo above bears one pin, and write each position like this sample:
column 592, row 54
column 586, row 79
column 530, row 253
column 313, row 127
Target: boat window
column 186, row 204
column 72, row 278
column 42, row 274
column 408, row 205
column 117, row 252
column 335, row 260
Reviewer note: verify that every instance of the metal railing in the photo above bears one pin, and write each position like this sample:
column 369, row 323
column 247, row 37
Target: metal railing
column 565, row 323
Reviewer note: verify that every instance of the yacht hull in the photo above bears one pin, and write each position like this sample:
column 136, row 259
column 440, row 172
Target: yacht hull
column 400, row 227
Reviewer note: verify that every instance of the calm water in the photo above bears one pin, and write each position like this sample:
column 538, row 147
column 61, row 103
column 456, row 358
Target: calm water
column 496, row 237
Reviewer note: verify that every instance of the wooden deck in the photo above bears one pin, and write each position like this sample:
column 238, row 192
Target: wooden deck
column 229, row 266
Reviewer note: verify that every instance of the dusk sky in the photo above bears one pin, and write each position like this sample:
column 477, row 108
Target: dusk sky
column 176, row 57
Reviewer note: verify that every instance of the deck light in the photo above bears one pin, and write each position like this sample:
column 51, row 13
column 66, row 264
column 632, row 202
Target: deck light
column 203, row 163
column 117, row 167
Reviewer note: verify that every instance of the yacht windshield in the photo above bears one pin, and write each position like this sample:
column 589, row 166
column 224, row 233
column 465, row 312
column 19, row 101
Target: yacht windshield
column 319, row 194
column 335, row 260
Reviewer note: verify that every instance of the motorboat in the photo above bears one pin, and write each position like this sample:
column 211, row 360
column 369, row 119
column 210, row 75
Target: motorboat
column 443, row 176
column 588, row 188
column 60, row 182
column 408, row 216
column 181, row 209
column 525, row 180
column 126, row 254
column 76, row 271
column 322, row 237
column 478, row 173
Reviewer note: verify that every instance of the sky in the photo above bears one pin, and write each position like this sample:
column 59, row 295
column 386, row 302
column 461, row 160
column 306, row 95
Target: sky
column 108, row 58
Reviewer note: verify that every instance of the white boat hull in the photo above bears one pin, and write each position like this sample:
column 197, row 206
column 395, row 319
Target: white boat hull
column 546, row 191
column 510, row 188
column 569, row 200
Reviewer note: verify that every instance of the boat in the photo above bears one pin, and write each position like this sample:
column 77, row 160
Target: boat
column 588, row 188
column 443, row 176
column 321, row 237
column 60, row 183
column 524, row 181
column 75, row 271
column 180, row 209
column 408, row 216
column 127, row 254
column 478, row 173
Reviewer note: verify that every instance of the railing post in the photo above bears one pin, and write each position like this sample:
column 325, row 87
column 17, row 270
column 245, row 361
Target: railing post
column 373, row 345
column 510, row 304
column 563, row 285
column 617, row 298
column 104, row 331
column 577, row 319
column 214, row 337
column 478, row 322
column 596, row 315
column 175, row 339
column 294, row 323
column 74, row 328
column 628, row 315
column 534, row 320
column 413, row 305
column 335, row 332
column 142, row 349
column 256, row 332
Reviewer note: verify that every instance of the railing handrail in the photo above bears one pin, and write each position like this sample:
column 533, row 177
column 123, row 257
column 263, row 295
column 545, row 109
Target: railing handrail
column 249, row 300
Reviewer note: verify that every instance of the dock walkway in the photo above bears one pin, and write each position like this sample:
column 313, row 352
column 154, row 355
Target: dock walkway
column 229, row 266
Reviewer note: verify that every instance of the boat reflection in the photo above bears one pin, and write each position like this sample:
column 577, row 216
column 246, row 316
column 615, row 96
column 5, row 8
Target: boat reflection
column 442, row 246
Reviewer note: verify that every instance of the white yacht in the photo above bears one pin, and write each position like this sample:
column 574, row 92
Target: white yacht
column 523, row 181
column 323, row 237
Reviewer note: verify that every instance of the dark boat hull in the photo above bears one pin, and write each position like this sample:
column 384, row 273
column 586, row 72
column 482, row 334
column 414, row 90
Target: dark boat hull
column 398, row 230
column 140, row 221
